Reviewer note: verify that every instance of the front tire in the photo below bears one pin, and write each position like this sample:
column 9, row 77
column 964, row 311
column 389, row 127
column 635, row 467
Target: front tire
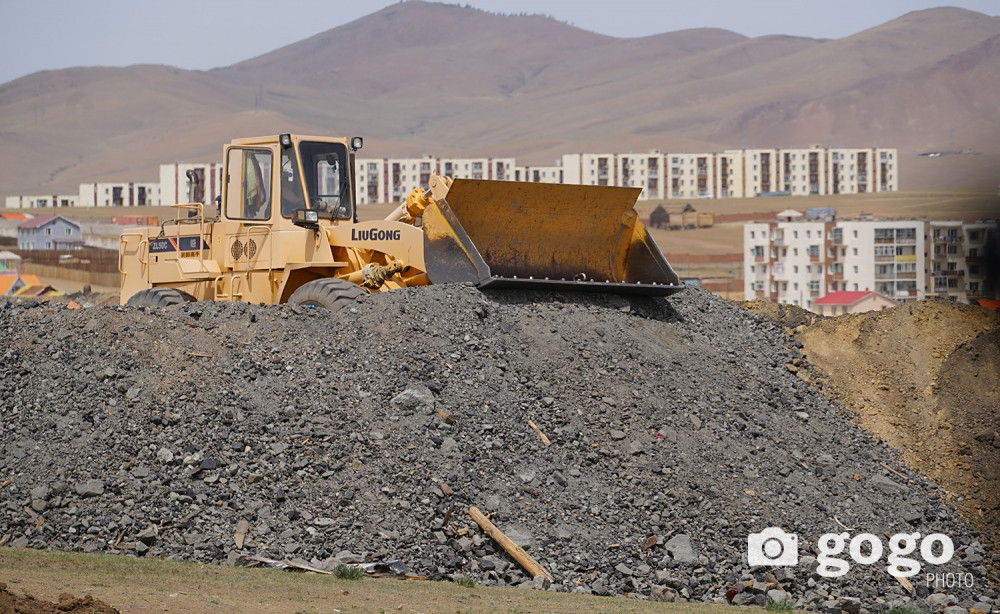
column 159, row 297
column 329, row 293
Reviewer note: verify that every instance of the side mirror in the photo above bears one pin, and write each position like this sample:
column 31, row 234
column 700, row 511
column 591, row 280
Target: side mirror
column 306, row 218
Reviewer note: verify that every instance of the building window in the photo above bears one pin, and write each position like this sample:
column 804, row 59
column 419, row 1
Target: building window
column 814, row 286
column 814, row 251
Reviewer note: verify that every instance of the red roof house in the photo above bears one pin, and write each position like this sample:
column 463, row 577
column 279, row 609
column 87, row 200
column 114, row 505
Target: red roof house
column 848, row 301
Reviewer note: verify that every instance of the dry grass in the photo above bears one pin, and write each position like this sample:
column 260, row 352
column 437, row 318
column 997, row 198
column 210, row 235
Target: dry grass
column 139, row 585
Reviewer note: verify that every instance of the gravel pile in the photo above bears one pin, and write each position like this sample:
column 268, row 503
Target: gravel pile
column 677, row 428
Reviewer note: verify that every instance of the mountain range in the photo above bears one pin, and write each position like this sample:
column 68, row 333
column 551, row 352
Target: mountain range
column 420, row 77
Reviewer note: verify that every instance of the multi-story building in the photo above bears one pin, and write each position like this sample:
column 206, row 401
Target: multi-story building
column 539, row 174
column 644, row 171
column 801, row 171
column 126, row 194
column 590, row 169
column 729, row 174
column 796, row 261
column 392, row 179
column 736, row 173
column 959, row 255
column 184, row 182
column 38, row 202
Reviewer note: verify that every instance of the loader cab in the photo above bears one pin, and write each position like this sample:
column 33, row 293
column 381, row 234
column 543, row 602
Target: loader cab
column 269, row 181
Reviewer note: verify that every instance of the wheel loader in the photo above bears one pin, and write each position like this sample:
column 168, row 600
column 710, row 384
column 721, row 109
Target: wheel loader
column 287, row 231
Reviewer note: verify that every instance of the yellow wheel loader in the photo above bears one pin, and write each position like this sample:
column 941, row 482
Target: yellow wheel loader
column 287, row 231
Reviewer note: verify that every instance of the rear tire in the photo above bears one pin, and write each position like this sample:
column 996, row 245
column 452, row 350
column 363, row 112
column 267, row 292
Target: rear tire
column 159, row 297
column 328, row 293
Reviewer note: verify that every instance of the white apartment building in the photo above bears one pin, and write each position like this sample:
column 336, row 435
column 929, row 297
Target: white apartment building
column 729, row 174
column 643, row 171
column 38, row 202
column 735, row 173
column 690, row 175
column 176, row 182
column 801, row 171
column 371, row 177
column 958, row 257
column 796, row 261
column 539, row 174
column 392, row 179
column 113, row 194
column 590, row 169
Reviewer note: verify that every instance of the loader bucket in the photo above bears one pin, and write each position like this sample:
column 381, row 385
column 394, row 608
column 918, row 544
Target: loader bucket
column 504, row 234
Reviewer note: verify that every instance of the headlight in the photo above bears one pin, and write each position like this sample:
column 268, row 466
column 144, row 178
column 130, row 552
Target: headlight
column 356, row 143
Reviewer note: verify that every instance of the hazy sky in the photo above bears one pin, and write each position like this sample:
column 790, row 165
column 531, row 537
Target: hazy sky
column 200, row 34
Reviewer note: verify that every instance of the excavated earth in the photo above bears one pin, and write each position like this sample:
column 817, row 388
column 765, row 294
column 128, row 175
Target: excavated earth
column 677, row 428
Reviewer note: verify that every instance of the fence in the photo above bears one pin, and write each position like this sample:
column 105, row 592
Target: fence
column 108, row 280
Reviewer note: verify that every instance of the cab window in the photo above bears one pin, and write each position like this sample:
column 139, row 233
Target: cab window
column 248, row 184
column 327, row 176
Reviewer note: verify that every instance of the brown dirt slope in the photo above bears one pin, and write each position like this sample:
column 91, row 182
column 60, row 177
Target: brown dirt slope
column 926, row 380
column 68, row 604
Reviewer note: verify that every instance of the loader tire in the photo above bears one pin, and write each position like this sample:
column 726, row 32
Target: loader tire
column 328, row 293
column 159, row 297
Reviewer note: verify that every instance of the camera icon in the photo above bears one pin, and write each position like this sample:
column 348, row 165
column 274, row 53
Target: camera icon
column 774, row 547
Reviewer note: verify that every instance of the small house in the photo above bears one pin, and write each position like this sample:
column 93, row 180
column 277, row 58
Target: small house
column 49, row 232
column 846, row 301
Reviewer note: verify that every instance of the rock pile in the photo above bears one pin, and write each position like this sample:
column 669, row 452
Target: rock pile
column 676, row 428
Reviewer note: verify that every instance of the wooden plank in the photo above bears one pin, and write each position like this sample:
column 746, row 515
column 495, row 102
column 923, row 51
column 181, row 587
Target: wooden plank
column 517, row 552
column 544, row 439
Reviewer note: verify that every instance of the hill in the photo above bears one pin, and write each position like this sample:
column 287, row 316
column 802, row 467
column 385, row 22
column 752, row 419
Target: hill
column 421, row 77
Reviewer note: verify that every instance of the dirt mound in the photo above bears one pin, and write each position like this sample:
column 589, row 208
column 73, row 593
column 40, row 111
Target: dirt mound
column 68, row 604
column 789, row 317
column 925, row 379
column 210, row 431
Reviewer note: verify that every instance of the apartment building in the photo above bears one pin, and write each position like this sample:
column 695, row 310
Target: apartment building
column 801, row 171
column 41, row 201
column 958, row 259
column 690, row 175
column 539, row 174
column 736, row 173
column 797, row 261
column 644, row 171
column 125, row 194
column 392, row 179
column 729, row 177
column 184, row 182
column 590, row 169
